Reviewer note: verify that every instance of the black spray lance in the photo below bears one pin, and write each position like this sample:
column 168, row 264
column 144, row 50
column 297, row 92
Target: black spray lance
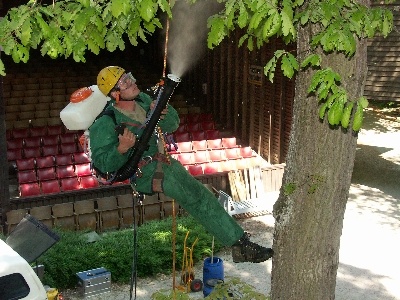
column 129, row 169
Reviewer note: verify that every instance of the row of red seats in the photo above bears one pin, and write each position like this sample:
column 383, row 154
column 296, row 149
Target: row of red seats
column 42, row 151
column 191, row 146
column 40, row 131
column 39, row 141
column 213, row 155
column 52, row 161
column 196, row 135
column 195, row 118
column 50, row 173
column 196, row 126
column 209, row 168
column 57, row 185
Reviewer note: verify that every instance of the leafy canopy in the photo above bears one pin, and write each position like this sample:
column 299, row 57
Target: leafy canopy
column 72, row 27
column 340, row 23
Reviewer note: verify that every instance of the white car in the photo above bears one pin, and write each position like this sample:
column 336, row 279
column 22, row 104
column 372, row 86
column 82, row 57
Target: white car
column 17, row 278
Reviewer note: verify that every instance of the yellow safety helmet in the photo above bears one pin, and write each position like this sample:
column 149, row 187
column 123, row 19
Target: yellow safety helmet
column 108, row 78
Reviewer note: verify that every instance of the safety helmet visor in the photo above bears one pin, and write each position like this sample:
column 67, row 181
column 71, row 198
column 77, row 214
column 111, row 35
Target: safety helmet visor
column 126, row 81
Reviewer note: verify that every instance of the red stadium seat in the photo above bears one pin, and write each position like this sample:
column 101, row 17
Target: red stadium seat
column 211, row 167
column 68, row 137
column 54, row 129
column 198, row 135
column 46, row 174
column 246, row 152
column 45, row 162
column 29, row 189
column 50, row 186
column 83, row 169
column 68, row 148
column 27, row 176
column 214, row 144
column 232, row 153
column 51, row 140
column 201, row 157
column 20, row 133
column 195, row 170
column 81, row 158
column 50, row 150
column 16, row 143
column 25, row 164
column 88, row 182
column 182, row 137
column 14, row 154
column 31, row 142
column 207, row 125
column 193, row 127
column 217, row 155
column 63, row 159
column 229, row 142
column 212, row 134
column 193, row 118
column 70, row 183
column 181, row 128
column 65, row 171
column 199, row 145
column 182, row 119
column 186, row 158
column 39, row 131
column 32, row 152
column 184, row 147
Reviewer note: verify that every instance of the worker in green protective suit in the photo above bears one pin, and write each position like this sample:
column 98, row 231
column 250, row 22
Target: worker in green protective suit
column 110, row 151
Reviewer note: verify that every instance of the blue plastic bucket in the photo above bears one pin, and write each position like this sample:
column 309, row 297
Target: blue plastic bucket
column 212, row 273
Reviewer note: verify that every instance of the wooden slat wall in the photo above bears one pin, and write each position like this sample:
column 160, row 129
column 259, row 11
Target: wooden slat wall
column 383, row 78
column 258, row 113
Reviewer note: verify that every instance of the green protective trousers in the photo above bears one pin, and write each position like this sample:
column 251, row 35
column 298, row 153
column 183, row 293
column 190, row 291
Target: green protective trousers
column 197, row 200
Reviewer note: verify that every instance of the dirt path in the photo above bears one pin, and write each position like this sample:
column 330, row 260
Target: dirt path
column 369, row 266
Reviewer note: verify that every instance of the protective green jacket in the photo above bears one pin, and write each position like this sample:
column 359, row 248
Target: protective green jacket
column 178, row 184
column 104, row 140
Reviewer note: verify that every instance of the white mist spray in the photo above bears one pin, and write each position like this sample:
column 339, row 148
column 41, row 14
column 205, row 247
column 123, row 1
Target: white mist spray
column 187, row 37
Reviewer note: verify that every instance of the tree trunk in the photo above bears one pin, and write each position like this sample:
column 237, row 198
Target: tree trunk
column 309, row 220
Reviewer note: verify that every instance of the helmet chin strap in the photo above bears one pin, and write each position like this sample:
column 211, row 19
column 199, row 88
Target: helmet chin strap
column 117, row 97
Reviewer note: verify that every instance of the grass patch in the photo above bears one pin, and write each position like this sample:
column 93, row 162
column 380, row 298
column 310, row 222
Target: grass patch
column 114, row 251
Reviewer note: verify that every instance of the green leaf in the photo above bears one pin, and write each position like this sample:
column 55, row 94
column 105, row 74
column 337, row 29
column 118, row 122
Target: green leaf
column 269, row 69
column 313, row 60
column 2, row 69
column 287, row 25
column 164, row 6
column 289, row 65
column 85, row 3
column 119, row 7
column 250, row 44
column 217, row 31
column 243, row 39
column 83, row 19
column 43, row 25
column 363, row 102
column 147, row 10
column 243, row 17
column 26, row 31
column 272, row 25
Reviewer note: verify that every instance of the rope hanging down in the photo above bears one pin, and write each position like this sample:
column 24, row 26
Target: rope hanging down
column 133, row 286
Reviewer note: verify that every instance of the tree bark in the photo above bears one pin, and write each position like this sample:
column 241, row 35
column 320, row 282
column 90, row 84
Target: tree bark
column 319, row 165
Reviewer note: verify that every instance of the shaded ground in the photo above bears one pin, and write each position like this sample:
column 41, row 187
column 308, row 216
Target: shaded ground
column 369, row 253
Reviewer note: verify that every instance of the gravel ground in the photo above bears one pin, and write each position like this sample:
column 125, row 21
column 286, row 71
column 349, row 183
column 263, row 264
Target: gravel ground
column 369, row 253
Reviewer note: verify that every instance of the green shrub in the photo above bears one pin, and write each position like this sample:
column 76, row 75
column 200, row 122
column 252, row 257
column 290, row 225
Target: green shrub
column 114, row 251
